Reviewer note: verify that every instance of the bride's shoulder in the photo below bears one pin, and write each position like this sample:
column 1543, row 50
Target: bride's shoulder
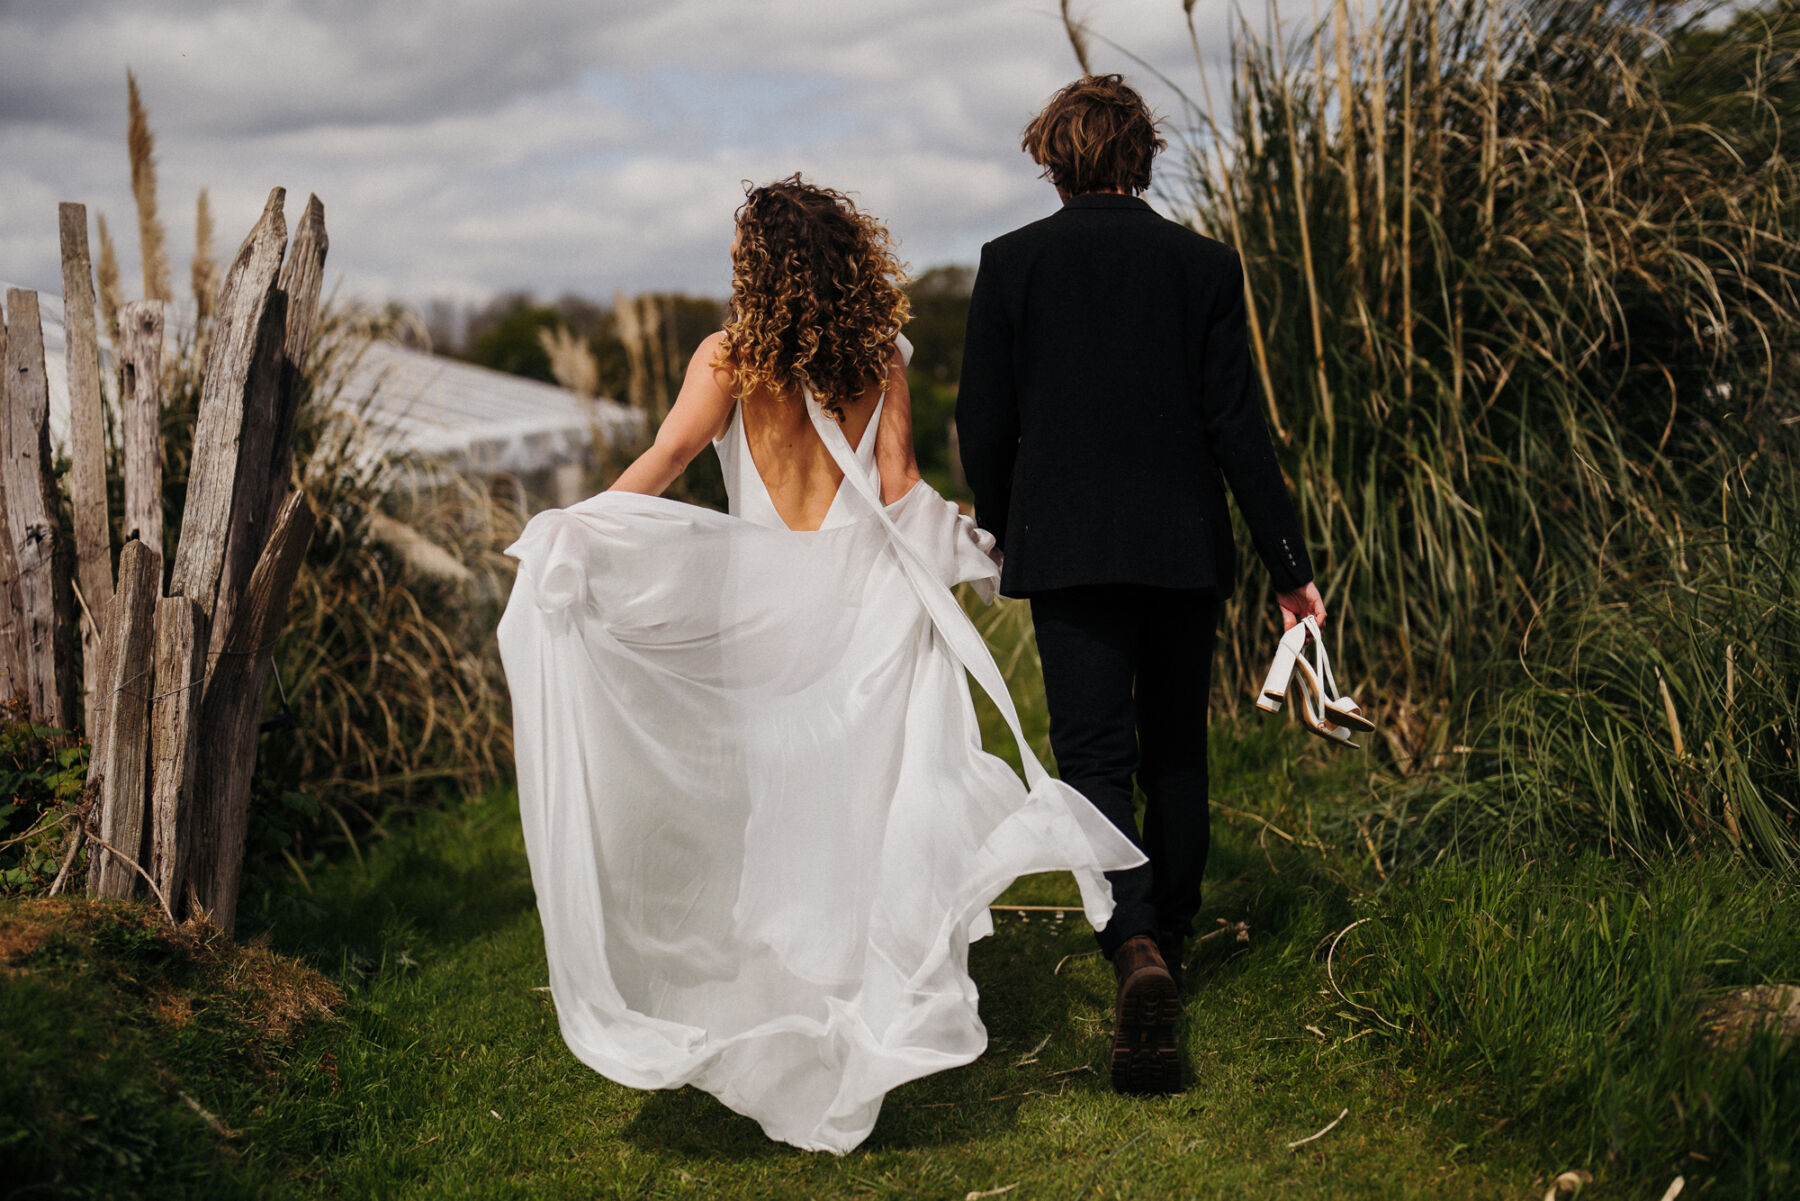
column 713, row 357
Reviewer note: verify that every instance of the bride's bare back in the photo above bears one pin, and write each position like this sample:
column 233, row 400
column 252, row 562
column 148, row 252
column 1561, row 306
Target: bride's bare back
column 801, row 477
column 797, row 470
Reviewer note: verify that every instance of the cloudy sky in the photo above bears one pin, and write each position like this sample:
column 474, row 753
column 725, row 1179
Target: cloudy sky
column 467, row 147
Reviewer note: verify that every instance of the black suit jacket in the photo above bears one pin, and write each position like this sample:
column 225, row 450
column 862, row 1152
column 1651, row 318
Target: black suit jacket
column 1106, row 398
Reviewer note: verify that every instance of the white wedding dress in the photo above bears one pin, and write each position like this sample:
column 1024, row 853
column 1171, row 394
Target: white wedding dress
column 761, row 826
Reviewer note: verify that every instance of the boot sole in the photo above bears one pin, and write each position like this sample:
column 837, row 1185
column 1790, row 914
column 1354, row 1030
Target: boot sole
column 1144, row 1058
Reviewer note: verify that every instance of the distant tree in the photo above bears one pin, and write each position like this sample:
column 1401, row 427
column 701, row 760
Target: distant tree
column 504, row 336
column 940, row 309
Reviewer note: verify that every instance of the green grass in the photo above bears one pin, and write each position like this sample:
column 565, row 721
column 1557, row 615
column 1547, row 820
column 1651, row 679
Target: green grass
column 1482, row 1025
column 1541, row 1004
column 447, row 1030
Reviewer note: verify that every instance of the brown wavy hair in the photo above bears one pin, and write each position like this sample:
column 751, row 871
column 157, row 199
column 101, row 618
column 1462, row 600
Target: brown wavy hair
column 1095, row 135
column 816, row 295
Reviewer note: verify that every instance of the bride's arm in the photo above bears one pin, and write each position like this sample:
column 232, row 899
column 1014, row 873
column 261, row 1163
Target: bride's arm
column 699, row 415
column 893, row 440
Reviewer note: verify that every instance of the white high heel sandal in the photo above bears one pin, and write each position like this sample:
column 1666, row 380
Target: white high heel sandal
column 1323, row 710
column 1287, row 653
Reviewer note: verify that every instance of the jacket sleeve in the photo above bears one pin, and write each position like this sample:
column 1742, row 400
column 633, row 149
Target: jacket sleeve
column 1239, row 438
column 987, row 408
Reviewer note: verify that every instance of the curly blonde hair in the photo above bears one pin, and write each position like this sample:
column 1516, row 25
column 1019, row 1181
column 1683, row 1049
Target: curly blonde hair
column 816, row 295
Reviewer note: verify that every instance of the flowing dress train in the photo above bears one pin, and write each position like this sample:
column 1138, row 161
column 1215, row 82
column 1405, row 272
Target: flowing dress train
column 761, row 826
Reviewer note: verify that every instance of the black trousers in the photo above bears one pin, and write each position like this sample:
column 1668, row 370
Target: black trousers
column 1126, row 674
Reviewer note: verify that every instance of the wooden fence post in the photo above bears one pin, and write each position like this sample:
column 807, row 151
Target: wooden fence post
column 232, row 710
column 301, row 278
column 218, row 432
column 87, row 450
column 140, row 359
column 246, row 529
column 121, row 750
column 34, row 525
column 15, row 674
column 174, row 741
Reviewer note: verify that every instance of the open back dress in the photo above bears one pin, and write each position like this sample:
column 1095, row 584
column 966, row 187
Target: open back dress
column 761, row 825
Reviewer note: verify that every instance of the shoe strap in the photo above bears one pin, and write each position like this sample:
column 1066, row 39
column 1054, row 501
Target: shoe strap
column 1321, row 661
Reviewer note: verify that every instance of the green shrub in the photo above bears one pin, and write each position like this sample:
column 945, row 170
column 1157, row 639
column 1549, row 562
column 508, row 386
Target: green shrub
column 42, row 772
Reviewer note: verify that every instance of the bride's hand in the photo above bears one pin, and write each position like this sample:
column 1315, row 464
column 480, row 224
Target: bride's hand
column 1301, row 602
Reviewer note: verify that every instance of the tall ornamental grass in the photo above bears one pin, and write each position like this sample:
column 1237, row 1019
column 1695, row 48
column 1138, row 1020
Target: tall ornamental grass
column 1522, row 287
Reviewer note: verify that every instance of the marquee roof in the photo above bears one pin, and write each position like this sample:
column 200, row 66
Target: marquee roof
column 456, row 414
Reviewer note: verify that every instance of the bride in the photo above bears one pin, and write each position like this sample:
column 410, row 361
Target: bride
column 761, row 826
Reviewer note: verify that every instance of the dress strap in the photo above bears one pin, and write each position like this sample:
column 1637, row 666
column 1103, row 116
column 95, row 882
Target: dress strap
column 941, row 606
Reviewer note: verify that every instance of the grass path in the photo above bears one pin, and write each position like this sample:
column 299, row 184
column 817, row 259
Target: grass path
column 448, row 1078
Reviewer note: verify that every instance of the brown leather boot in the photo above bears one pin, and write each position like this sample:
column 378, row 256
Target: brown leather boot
column 1144, row 1058
column 1171, row 948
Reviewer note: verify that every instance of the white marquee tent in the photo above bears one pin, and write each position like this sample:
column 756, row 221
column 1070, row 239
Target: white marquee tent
column 441, row 414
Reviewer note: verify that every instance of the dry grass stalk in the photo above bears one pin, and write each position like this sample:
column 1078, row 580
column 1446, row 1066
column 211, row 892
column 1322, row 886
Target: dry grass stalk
column 572, row 361
column 152, row 242
column 631, row 336
column 203, row 272
column 107, row 277
column 1340, row 21
column 1311, row 274
column 1078, row 36
column 1408, row 119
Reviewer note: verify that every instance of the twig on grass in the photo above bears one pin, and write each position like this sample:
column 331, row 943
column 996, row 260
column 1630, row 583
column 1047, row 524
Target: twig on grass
column 210, row 1118
column 1240, row 929
column 1057, row 970
column 1569, row 1183
column 1031, row 1055
column 993, row 1192
column 1301, row 1142
column 1329, row 976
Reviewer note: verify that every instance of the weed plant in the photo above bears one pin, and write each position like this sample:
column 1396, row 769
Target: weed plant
column 42, row 771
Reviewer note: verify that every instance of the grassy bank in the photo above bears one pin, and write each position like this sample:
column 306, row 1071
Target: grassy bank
column 1544, row 1010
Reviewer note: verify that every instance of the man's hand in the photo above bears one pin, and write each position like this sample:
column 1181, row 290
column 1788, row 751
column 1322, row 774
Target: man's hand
column 1301, row 602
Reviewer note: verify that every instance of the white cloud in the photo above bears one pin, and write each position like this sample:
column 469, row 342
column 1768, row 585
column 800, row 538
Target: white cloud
column 471, row 146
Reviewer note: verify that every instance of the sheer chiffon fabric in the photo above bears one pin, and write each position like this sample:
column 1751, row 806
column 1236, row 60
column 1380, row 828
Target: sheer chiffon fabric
column 761, row 826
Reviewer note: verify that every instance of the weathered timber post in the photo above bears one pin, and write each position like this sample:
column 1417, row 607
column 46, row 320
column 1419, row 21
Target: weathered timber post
column 87, row 451
column 246, row 528
column 34, row 525
column 218, row 432
column 301, row 278
column 15, row 674
column 121, row 750
column 174, row 743
column 140, row 360
column 232, row 711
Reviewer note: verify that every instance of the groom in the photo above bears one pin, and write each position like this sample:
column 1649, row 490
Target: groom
column 1106, row 400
